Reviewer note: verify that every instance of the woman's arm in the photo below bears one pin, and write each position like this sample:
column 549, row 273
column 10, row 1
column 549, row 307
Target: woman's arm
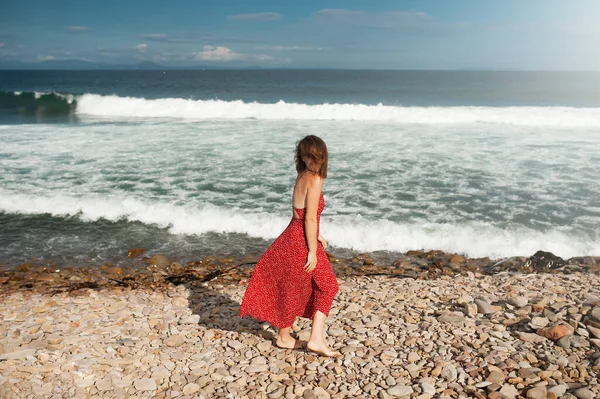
column 313, row 194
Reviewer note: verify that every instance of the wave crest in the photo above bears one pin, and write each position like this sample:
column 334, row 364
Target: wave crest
column 472, row 239
column 92, row 104
column 179, row 108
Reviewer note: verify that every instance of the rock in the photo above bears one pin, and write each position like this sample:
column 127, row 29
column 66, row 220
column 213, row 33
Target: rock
column 529, row 337
column 584, row 393
column 400, row 390
column 160, row 261
column 175, row 340
column 17, row 355
column 565, row 342
column 509, row 391
column 594, row 331
column 539, row 322
column 104, row 384
column 256, row 368
column 176, row 268
column 115, row 271
column 135, row 252
column 554, row 333
column 145, row 384
column 457, row 259
column 496, row 377
column 594, row 315
column 559, row 390
column 308, row 394
column 518, row 301
column 191, row 319
column 485, row 308
column 536, row 393
column 451, row 317
column 428, row 388
column 413, row 357
column 544, row 261
column 449, row 373
column 191, row 388
column 236, row 345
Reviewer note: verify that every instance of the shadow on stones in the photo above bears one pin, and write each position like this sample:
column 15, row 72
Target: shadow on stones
column 218, row 311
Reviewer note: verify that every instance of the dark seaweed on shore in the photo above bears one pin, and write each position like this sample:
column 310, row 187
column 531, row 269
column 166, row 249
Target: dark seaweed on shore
column 159, row 272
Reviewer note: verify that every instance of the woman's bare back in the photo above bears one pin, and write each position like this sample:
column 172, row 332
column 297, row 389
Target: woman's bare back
column 300, row 192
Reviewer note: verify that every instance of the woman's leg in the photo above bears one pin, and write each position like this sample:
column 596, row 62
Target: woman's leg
column 285, row 340
column 317, row 343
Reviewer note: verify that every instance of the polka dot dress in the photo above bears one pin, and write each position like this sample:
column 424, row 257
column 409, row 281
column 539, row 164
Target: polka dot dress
column 280, row 289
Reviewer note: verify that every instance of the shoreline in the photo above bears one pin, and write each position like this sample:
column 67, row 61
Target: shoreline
column 160, row 272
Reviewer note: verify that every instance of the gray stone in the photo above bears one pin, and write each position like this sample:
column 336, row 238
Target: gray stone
column 536, row 393
column 509, row 391
column 485, row 308
column 17, row 355
column 496, row 377
column 175, row 340
column 584, row 393
column 449, row 373
column 594, row 331
column 428, row 388
column 518, row 301
column 558, row 390
column 191, row 319
column 451, row 317
column 400, row 390
column 145, row 384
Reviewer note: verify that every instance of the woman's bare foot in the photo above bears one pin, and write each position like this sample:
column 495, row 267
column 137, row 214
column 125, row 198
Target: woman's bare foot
column 322, row 349
column 290, row 343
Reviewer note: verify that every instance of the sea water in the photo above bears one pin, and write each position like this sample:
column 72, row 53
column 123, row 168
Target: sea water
column 195, row 163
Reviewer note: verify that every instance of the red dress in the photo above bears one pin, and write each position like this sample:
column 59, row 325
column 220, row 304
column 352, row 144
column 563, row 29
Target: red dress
column 280, row 289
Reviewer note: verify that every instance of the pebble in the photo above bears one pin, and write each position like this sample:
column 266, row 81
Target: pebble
column 399, row 390
column 399, row 338
column 584, row 393
column 145, row 384
column 536, row 393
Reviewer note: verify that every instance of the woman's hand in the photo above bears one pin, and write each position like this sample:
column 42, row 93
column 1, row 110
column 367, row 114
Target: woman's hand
column 311, row 262
column 323, row 241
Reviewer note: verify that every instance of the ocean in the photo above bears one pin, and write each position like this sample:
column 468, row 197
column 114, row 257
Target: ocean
column 197, row 163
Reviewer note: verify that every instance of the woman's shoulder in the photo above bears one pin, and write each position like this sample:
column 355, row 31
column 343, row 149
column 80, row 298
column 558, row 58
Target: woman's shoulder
column 310, row 176
column 310, row 179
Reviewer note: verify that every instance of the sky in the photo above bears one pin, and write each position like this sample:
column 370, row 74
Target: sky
column 367, row 34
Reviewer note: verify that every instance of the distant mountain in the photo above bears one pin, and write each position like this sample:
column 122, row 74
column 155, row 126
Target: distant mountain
column 74, row 64
column 80, row 65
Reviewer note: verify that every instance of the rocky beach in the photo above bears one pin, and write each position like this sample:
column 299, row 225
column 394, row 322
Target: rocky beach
column 425, row 325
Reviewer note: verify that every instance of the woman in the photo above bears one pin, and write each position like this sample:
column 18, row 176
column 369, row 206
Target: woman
column 294, row 277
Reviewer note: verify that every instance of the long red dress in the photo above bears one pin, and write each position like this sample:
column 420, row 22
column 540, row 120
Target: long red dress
column 280, row 289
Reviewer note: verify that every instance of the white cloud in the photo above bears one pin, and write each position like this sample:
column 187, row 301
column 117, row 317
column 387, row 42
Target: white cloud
column 142, row 47
column 45, row 57
column 1, row 44
column 219, row 53
column 78, row 28
column 258, row 17
column 224, row 54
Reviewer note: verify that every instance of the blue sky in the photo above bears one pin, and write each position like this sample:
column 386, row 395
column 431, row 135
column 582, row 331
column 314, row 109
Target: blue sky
column 424, row 34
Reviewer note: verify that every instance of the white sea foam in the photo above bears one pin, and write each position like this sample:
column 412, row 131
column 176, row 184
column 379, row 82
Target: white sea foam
column 472, row 239
column 115, row 106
